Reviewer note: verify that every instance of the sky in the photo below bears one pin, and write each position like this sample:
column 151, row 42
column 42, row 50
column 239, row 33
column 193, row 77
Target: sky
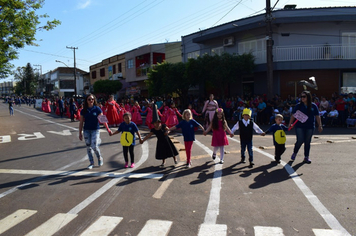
column 103, row 28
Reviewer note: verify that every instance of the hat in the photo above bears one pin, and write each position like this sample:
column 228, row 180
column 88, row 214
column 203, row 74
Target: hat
column 246, row 111
column 155, row 116
column 276, row 110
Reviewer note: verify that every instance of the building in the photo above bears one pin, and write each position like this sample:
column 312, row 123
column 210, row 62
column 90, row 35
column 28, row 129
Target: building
column 131, row 67
column 7, row 88
column 319, row 42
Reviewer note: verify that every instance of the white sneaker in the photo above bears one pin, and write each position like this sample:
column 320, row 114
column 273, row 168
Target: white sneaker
column 90, row 167
column 221, row 161
column 101, row 162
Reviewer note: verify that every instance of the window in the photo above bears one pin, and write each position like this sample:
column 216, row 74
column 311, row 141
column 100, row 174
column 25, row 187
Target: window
column 114, row 69
column 218, row 51
column 102, row 72
column 252, row 46
column 348, row 82
column 194, row 55
column 159, row 59
column 130, row 63
column 93, row 74
column 119, row 67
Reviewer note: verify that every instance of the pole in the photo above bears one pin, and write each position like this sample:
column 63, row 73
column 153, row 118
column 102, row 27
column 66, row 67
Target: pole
column 75, row 71
column 269, row 44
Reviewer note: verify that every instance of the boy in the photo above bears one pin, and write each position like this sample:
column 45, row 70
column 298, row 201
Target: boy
column 279, row 137
column 246, row 126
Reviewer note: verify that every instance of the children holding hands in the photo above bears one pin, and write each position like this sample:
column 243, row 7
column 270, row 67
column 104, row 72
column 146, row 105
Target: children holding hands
column 219, row 139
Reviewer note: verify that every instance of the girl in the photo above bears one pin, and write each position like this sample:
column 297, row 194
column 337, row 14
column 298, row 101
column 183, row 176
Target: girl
column 209, row 108
column 111, row 111
column 136, row 116
column 164, row 148
column 187, row 125
column 164, row 110
column 172, row 118
column 219, row 140
column 128, row 129
column 89, row 121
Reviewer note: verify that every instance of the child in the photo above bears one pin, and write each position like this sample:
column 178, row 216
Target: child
column 136, row 116
column 172, row 118
column 128, row 129
column 219, row 140
column 246, row 126
column 187, row 125
column 164, row 148
column 279, row 137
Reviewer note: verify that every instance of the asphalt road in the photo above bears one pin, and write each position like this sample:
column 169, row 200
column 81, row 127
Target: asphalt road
column 45, row 188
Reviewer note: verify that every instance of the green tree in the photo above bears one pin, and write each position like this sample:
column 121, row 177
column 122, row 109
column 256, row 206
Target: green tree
column 26, row 79
column 107, row 86
column 18, row 26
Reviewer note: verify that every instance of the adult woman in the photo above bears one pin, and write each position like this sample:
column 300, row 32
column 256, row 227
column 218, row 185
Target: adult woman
column 89, row 121
column 209, row 108
column 304, row 131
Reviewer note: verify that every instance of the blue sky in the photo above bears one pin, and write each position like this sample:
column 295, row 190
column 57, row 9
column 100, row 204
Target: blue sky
column 104, row 28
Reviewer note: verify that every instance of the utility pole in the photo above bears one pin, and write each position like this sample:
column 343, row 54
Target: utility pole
column 75, row 71
column 269, row 44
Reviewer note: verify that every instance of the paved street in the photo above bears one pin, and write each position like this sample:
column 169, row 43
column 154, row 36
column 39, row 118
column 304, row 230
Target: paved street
column 45, row 188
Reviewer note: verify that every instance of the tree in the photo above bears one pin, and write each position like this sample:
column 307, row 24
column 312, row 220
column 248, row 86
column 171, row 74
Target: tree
column 26, row 80
column 107, row 86
column 18, row 26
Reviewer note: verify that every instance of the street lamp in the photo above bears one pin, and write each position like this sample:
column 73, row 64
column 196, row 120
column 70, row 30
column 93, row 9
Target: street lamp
column 75, row 78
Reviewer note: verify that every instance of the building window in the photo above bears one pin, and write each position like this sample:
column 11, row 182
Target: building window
column 252, row 46
column 119, row 67
column 114, row 69
column 217, row 51
column 102, row 72
column 348, row 82
column 93, row 74
column 130, row 63
column 194, row 55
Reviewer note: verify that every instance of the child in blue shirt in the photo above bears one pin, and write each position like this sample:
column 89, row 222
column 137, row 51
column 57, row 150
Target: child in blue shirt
column 128, row 129
column 279, row 137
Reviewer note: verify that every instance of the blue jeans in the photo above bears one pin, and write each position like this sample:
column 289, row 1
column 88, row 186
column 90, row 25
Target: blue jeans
column 249, row 150
column 92, row 140
column 11, row 111
column 303, row 136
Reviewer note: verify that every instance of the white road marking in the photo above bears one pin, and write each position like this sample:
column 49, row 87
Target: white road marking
column 268, row 231
column 164, row 186
column 103, row 226
column 14, row 219
column 156, row 228
column 212, row 230
column 314, row 201
column 108, row 185
column 52, row 225
column 327, row 232
column 35, row 135
column 5, row 139
column 65, row 132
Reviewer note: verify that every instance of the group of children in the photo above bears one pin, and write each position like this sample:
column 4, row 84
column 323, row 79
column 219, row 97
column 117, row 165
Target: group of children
column 166, row 149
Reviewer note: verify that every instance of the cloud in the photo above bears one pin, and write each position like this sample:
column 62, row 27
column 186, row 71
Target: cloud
column 84, row 4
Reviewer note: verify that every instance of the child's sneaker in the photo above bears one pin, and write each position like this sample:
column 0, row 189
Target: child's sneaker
column 126, row 164
column 293, row 157
column 243, row 160
column 307, row 160
column 101, row 162
column 132, row 165
column 213, row 156
column 221, row 161
column 90, row 167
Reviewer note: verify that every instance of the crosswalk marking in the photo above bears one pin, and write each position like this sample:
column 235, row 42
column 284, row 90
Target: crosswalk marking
column 52, row 225
column 212, row 230
column 156, row 228
column 327, row 232
column 103, row 226
column 268, row 231
column 14, row 219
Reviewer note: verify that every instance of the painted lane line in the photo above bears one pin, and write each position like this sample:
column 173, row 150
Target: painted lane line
column 314, row 201
column 164, row 186
column 327, row 232
column 48, row 173
column 14, row 219
column 52, row 225
column 110, row 184
column 103, row 226
column 212, row 210
column 156, row 228
column 268, row 231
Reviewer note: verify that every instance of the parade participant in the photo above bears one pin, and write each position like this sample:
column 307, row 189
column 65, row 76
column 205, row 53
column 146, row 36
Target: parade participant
column 73, row 109
column 172, row 118
column 209, row 108
column 194, row 113
column 279, row 137
column 187, row 125
column 11, row 108
column 48, row 106
column 128, row 129
column 80, row 108
column 219, row 139
column 136, row 116
column 164, row 147
column 112, row 111
column 60, row 107
column 164, row 111
column 128, row 105
column 89, row 124
column 304, row 131
column 246, row 126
